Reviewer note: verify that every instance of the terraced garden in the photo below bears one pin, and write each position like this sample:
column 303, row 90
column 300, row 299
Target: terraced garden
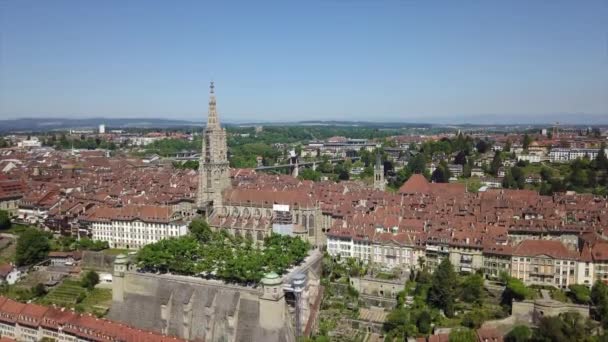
column 71, row 294
column 67, row 294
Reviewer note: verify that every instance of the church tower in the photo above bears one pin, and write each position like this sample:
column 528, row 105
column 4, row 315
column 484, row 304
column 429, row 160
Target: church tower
column 213, row 170
column 379, row 183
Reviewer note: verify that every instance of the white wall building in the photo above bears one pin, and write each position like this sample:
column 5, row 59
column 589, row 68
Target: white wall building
column 133, row 227
column 562, row 155
column 29, row 143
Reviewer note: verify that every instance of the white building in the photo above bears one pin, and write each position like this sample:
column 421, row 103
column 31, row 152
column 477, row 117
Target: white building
column 143, row 141
column 561, row 155
column 388, row 250
column 9, row 274
column 133, row 227
column 29, row 143
column 102, row 129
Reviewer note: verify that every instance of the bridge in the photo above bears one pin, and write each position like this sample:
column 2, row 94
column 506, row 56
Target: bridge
column 312, row 164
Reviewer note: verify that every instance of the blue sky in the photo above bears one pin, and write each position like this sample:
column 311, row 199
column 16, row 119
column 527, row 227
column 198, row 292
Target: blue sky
column 297, row 60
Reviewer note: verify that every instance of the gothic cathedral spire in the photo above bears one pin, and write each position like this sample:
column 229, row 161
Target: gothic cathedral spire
column 213, row 170
column 212, row 119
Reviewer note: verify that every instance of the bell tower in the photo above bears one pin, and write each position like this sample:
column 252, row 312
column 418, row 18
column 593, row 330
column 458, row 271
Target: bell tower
column 379, row 183
column 213, row 170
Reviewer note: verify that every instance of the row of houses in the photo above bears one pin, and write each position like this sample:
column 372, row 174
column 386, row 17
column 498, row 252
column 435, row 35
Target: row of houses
column 542, row 262
column 32, row 322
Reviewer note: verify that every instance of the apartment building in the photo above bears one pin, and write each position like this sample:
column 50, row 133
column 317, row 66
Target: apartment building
column 562, row 155
column 134, row 226
column 544, row 262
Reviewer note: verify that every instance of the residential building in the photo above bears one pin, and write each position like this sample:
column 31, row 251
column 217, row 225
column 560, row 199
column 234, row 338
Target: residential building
column 544, row 262
column 9, row 274
column 135, row 226
column 33, row 322
column 561, row 155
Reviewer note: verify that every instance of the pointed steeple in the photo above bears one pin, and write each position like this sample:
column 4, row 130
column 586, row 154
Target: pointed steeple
column 212, row 120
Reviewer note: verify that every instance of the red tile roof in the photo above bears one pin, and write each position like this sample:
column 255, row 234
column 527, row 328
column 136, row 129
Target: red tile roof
column 417, row 184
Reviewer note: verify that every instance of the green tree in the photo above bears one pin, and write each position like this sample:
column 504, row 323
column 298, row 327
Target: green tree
column 515, row 290
column 580, row 293
column 566, row 327
column 462, row 335
column 461, row 158
column 39, row 290
column 200, row 230
column 5, row 220
column 526, row 141
column 520, row 333
column 496, row 163
column 32, row 246
column 601, row 160
column 472, row 289
column 599, row 298
column 309, row 174
column 424, row 322
column 439, row 175
column 89, row 280
column 402, row 175
column 417, row 164
column 473, row 319
column 441, row 294
column 483, row 146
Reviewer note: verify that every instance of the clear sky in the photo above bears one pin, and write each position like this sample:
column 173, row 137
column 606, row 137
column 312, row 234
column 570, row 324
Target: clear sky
column 299, row 60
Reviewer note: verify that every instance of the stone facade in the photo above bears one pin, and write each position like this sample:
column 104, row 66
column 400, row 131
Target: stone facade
column 256, row 220
column 214, row 170
column 198, row 309
column 379, row 182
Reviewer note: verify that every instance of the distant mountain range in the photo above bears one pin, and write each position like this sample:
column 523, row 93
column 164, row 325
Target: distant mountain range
column 50, row 124
column 53, row 124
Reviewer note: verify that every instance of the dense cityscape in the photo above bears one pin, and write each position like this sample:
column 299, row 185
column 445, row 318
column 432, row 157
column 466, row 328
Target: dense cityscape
column 291, row 232
column 317, row 171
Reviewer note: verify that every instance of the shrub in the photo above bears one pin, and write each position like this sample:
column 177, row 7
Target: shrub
column 90, row 279
column 519, row 333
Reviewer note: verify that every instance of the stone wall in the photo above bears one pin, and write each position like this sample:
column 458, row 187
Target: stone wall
column 529, row 311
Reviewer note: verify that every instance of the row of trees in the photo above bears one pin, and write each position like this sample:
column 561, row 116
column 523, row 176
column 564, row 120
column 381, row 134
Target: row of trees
column 221, row 255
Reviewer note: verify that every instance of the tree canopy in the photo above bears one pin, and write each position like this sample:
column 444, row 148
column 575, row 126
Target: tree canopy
column 32, row 246
column 90, row 279
column 220, row 255
column 5, row 220
column 442, row 291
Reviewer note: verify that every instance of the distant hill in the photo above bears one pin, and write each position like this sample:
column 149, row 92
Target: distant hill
column 50, row 124
column 509, row 122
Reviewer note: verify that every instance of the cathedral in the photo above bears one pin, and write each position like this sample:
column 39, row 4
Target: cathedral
column 250, row 212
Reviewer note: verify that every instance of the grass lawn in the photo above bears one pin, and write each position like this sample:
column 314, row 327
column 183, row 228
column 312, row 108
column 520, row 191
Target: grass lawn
column 116, row 251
